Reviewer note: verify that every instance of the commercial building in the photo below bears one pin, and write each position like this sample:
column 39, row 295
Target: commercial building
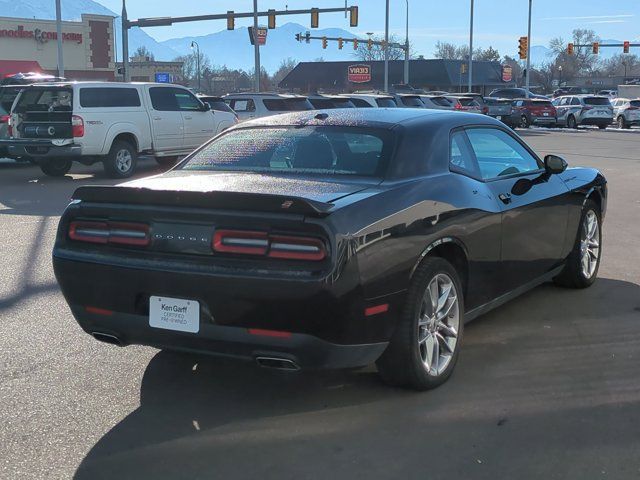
column 145, row 69
column 30, row 45
column 449, row 75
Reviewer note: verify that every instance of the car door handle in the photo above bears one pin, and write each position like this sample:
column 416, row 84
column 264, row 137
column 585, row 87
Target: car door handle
column 157, row 118
column 188, row 118
column 505, row 198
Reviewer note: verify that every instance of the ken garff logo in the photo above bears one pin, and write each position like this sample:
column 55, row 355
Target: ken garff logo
column 37, row 34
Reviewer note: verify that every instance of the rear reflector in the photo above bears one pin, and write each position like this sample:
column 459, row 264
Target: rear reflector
column 121, row 233
column 273, row 246
column 98, row 311
column 269, row 333
column 375, row 310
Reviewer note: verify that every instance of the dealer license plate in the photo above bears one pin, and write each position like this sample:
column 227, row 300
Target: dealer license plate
column 174, row 314
column 545, row 114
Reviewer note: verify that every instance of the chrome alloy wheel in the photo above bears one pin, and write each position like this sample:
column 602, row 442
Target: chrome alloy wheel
column 590, row 244
column 124, row 160
column 438, row 324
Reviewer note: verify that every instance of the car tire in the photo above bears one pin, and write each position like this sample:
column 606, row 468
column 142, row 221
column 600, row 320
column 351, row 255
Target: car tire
column 571, row 122
column 582, row 264
column 55, row 167
column 524, row 122
column 421, row 339
column 602, row 127
column 121, row 160
column 167, row 161
column 622, row 122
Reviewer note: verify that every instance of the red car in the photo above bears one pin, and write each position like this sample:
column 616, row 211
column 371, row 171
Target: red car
column 532, row 111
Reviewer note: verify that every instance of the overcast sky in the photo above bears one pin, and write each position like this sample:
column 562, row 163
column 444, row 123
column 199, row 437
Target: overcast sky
column 498, row 23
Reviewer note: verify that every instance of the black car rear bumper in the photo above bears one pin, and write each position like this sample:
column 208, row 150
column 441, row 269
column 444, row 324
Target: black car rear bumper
column 303, row 351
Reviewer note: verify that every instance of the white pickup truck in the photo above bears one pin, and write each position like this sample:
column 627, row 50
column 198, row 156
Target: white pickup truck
column 111, row 123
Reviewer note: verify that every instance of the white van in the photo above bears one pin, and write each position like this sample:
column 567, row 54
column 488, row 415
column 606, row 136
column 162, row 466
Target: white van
column 105, row 122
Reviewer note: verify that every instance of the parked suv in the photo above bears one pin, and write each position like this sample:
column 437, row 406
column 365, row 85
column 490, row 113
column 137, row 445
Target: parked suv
column 330, row 101
column 513, row 93
column 106, row 122
column 464, row 104
column 575, row 110
column 436, row 102
column 533, row 111
column 626, row 112
column 224, row 113
column 368, row 100
column 408, row 100
column 500, row 109
column 256, row 105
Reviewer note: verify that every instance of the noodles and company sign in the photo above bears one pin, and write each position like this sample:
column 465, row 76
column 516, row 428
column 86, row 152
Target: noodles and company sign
column 359, row 73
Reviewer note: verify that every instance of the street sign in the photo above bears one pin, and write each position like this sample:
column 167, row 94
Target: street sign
column 261, row 35
column 507, row 73
column 359, row 73
column 163, row 78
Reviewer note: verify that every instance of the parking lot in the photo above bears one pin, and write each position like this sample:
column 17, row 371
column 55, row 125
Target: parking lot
column 547, row 386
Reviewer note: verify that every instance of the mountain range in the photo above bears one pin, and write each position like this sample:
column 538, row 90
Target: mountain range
column 226, row 47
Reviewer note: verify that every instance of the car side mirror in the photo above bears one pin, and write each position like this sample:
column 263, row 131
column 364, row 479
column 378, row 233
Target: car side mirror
column 554, row 164
column 206, row 107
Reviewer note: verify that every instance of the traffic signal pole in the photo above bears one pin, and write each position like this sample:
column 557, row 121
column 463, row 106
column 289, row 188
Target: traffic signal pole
column 471, row 50
column 256, row 48
column 529, row 50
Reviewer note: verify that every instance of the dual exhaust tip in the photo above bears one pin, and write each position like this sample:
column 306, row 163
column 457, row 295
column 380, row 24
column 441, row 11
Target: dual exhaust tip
column 275, row 363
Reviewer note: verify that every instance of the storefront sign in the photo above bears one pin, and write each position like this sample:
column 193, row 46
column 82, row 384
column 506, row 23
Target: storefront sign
column 507, row 73
column 38, row 35
column 359, row 73
column 261, row 35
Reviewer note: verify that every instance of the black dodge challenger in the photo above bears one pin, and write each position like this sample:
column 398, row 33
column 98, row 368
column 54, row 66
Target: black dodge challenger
column 330, row 240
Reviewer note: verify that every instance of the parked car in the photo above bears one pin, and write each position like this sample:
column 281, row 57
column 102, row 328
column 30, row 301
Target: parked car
column 436, row 102
column 408, row 100
column 7, row 95
column 608, row 93
column 375, row 100
column 500, row 109
column 107, row 122
column 221, row 111
column 626, row 113
column 514, row 93
column 560, row 92
column 464, row 104
column 527, row 112
column 256, row 105
column 29, row 78
column 330, row 101
column 330, row 243
column 479, row 98
column 576, row 110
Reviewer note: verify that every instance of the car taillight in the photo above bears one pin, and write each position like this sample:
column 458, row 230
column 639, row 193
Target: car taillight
column 120, row 233
column 459, row 106
column 77, row 126
column 9, row 127
column 485, row 110
column 4, row 118
column 272, row 246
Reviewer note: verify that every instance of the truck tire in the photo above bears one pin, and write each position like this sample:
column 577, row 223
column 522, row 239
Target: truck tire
column 55, row 167
column 121, row 160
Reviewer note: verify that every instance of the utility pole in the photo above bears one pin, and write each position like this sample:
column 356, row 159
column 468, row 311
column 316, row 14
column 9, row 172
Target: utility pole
column 256, row 47
column 406, row 52
column 529, row 50
column 195, row 44
column 471, row 50
column 386, row 50
column 125, row 43
column 59, row 33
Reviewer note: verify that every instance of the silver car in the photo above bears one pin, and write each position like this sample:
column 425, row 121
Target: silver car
column 436, row 102
column 576, row 110
column 626, row 112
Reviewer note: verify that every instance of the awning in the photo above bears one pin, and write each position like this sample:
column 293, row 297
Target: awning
column 11, row 67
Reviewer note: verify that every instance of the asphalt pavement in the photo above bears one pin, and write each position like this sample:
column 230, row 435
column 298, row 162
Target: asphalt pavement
column 547, row 386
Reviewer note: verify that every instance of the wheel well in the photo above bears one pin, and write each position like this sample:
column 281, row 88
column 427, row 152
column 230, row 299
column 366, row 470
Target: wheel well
column 455, row 255
column 130, row 138
column 596, row 196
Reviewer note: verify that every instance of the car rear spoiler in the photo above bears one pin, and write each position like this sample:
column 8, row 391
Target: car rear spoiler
column 216, row 200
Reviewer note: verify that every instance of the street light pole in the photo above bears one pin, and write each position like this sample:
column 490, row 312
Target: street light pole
column 529, row 50
column 471, row 50
column 125, row 43
column 386, row 49
column 406, row 52
column 560, row 80
column 59, row 33
column 256, row 47
column 195, row 44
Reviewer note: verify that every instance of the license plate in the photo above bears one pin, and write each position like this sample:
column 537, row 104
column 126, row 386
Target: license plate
column 499, row 117
column 174, row 314
column 545, row 114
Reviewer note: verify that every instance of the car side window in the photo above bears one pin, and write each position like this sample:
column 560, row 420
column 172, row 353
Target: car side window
column 461, row 158
column 575, row 101
column 163, row 99
column 186, row 101
column 243, row 105
column 499, row 154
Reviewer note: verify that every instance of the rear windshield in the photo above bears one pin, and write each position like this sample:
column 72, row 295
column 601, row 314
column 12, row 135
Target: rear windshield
column 542, row 103
column 410, row 101
column 56, row 99
column 441, row 101
column 287, row 104
column 386, row 102
column 467, row 102
column 596, row 101
column 96, row 97
column 635, row 103
column 7, row 96
column 360, row 103
column 307, row 150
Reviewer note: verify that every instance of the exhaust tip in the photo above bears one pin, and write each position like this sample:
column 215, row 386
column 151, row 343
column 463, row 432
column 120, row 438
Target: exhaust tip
column 107, row 338
column 277, row 363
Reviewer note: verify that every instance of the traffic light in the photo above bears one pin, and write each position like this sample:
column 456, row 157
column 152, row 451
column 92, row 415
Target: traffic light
column 355, row 44
column 570, row 49
column 625, row 46
column 523, row 45
column 315, row 17
column 231, row 21
column 596, row 48
column 463, row 68
column 369, row 44
column 271, row 19
column 324, row 42
column 298, row 37
column 339, row 43
column 353, row 17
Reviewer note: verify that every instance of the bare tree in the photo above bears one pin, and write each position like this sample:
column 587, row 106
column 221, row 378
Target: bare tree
column 190, row 66
column 583, row 60
column 446, row 51
column 622, row 64
column 283, row 70
column 449, row 51
column 377, row 51
column 142, row 53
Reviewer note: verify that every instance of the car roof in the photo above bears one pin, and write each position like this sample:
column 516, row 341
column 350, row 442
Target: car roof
column 366, row 95
column 263, row 94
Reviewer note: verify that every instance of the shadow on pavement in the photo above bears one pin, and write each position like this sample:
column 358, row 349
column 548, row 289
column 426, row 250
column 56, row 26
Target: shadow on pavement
column 534, row 375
